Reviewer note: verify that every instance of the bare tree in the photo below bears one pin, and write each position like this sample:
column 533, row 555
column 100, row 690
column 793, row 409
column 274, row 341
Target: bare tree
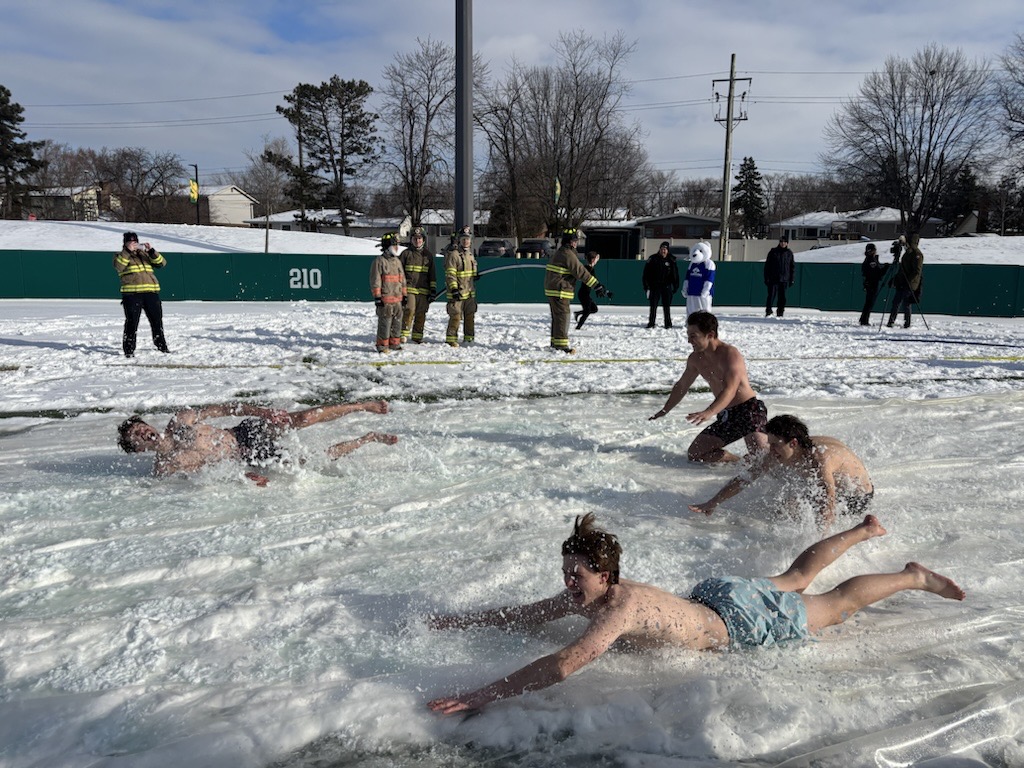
column 1010, row 88
column 915, row 125
column 143, row 184
column 419, row 119
column 699, row 197
column 549, row 130
column 65, row 172
column 262, row 178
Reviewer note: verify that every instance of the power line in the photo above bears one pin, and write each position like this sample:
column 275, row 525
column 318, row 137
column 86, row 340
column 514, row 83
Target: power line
column 182, row 123
column 165, row 101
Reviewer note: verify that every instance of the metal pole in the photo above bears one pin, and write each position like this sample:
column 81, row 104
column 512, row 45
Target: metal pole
column 723, row 237
column 463, row 113
column 197, row 192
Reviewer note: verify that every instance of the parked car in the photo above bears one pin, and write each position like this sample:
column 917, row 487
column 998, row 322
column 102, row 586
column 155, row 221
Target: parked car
column 495, row 248
column 681, row 252
column 535, row 245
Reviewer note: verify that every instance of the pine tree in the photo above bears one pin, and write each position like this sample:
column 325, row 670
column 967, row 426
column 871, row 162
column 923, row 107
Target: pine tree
column 748, row 200
column 17, row 157
column 337, row 137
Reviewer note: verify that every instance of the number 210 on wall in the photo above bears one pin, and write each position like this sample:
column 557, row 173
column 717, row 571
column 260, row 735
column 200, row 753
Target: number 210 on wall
column 299, row 279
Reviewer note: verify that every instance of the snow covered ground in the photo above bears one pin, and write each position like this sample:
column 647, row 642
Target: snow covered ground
column 186, row 238
column 208, row 622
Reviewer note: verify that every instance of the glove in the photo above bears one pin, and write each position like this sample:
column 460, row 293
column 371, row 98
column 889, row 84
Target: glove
column 609, row 295
column 706, row 290
column 378, row 301
column 432, row 296
column 454, row 295
column 405, row 301
column 601, row 291
column 476, row 277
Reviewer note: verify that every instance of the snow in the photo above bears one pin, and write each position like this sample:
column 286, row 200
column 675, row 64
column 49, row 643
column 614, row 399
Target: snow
column 187, row 238
column 208, row 622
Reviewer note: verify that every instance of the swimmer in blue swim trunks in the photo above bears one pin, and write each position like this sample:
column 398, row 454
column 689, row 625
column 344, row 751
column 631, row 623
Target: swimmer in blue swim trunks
column 719, row 612
column 188, row 443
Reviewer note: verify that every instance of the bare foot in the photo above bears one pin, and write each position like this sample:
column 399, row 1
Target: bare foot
column 699, row 508
column 871, row 527
column 260, row 480
column 377, row 406
column 943, row 586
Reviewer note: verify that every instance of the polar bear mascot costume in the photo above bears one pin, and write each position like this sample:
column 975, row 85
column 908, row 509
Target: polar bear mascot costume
column 699, row 286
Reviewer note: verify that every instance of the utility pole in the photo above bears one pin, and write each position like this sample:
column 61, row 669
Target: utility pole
column 463, row 113
column 730, row 118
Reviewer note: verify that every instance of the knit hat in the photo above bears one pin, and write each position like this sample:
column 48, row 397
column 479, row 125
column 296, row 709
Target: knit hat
column 130, row 237
column 665, row 244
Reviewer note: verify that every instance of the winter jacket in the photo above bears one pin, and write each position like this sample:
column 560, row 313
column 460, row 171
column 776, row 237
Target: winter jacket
column 563, row 270
column 872, row 271
column 136, row 270
column 460, row 273
column 420, row 278
column 779, row 266
column 387, row 278
column 661, row 273
column 911, row 268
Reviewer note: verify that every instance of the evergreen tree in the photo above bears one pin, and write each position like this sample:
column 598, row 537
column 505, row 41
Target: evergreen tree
column 748, row 200
column 17, row 157
column 337, row 138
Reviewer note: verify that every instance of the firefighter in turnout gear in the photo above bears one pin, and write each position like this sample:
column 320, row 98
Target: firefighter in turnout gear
column 387, row 284
column 460, row 278
column 140, row 291
column 421, row 284
column 560, row 276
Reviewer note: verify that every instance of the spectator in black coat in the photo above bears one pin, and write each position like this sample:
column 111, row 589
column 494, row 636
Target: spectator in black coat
column 779, row 272
column 872, row 270
column 661, row 281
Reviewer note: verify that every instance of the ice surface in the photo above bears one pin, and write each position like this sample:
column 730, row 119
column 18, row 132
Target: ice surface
column 208, row 622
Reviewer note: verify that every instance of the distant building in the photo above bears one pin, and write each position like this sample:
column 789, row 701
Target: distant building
column 869, row 224
column 229, row 205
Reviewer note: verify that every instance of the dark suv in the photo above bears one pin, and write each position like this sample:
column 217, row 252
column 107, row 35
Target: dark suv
column 495, row 248
column 535, row 245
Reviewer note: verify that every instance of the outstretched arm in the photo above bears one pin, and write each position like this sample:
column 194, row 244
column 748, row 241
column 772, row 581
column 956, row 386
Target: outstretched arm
column 534, row 614
column 547, row 670
column 734, row 486
column 679, row 390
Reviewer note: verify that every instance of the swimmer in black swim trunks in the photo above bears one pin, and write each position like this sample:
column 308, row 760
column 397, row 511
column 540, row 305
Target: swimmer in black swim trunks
column 188, row 443
column 739, row 413
column 835, row 472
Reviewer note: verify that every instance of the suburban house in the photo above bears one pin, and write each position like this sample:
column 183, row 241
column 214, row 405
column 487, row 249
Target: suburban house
column 229, row 205
column 69, row 203
column 328, row 221
column 870, row 224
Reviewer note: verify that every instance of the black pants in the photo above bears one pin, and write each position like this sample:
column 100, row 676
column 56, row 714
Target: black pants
column 589, row 306
column 870, row 294
column 134, row 305
column 661, row 296
column 776, row 289
column 901, row 302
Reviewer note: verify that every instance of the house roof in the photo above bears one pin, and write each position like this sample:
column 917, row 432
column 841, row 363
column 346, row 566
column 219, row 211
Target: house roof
column 825, row 218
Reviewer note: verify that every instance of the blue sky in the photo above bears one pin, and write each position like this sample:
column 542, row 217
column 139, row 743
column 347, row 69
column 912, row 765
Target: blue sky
column 202, row 79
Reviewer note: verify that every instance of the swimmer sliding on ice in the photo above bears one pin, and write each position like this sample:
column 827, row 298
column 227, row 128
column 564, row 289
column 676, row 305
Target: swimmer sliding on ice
column 631, row 615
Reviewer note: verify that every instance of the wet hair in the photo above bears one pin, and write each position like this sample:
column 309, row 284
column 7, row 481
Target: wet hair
column 600, row 548
column 704, row 322
column 122, row 431
column 788, row 428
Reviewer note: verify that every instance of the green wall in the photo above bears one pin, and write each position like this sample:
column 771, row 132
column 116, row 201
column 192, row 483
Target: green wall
column 950, row 289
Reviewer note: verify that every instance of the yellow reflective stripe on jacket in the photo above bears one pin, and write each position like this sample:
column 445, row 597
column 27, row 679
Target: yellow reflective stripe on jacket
column 141, row 288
